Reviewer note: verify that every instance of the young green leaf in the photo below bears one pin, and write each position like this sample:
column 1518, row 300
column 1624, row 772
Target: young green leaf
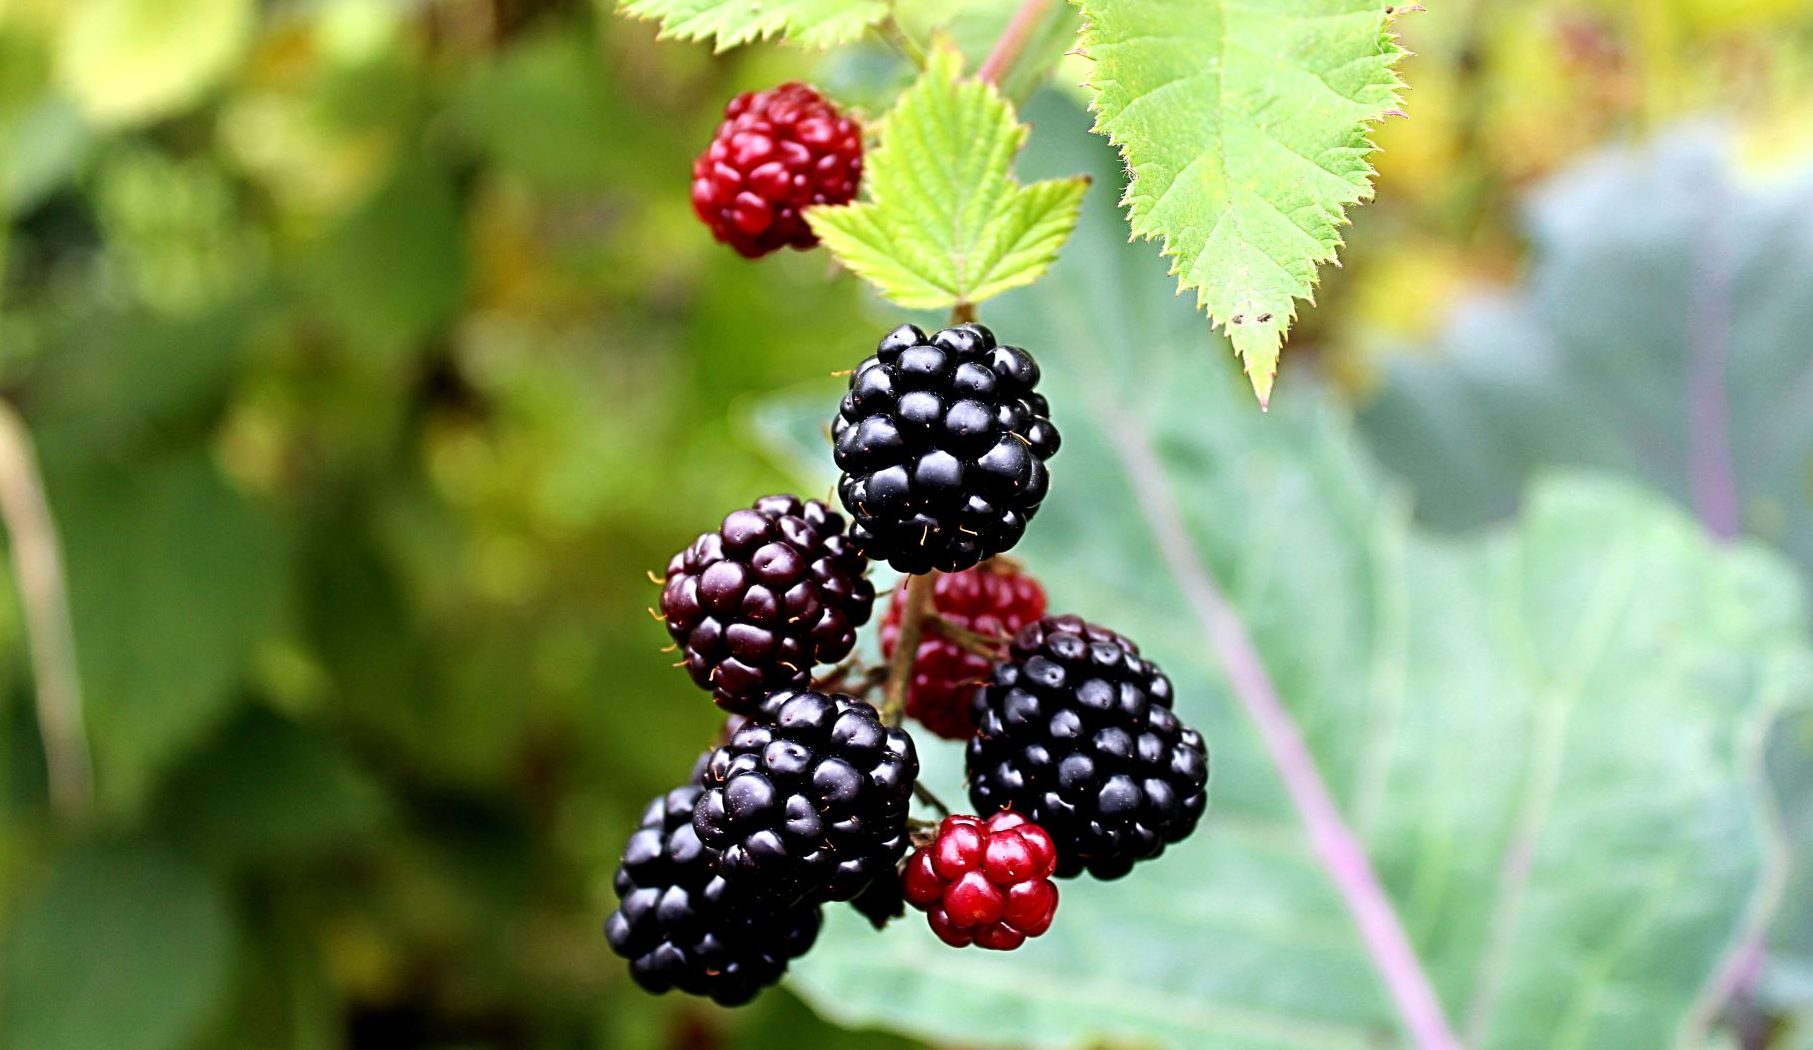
column 729, row 23
column 1246, row 129
column 945, row 221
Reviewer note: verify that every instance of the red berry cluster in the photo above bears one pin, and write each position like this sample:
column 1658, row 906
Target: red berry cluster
column 777, row 153
column 994, row 600
column 985, row 882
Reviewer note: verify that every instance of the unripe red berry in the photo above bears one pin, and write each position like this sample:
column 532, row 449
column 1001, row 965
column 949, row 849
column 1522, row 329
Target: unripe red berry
column 993, row 600
column 777, row 153
column 985, row 882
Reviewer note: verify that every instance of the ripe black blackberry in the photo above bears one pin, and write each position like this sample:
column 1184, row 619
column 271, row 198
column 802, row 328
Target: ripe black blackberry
column 682, row 926
column 942, row 443
column 883, row 901
column 808, row 801
column 1076, row 732
column 777, row 589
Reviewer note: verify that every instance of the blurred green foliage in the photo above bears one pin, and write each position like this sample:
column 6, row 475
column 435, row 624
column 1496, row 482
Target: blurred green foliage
column 372, row 363
column 373, row 356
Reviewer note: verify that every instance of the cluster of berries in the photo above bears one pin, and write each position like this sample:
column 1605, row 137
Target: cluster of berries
column 1076, row 761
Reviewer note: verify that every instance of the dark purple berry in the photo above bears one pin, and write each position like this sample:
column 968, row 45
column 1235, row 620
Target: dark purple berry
column 776, row 590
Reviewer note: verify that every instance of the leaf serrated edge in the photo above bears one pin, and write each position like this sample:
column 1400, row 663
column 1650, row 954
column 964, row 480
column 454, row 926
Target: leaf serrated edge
column 1259, row 348
column 840, row 226
column 700, row 28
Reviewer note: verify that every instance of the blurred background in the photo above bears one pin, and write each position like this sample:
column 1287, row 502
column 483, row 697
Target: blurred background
column 372, row 355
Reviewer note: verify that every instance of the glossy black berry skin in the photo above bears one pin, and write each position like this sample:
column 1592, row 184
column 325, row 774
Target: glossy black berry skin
column 808, row 801
column 1076, row 732
column 682, row 926
column 755, row 605
column 942, row 443
column 882, row 902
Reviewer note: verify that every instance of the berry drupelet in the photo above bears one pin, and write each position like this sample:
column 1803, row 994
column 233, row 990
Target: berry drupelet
column 777, row 153
column 881, row 903
column 777, row 589
column 994, row 600
column 942, row 443
column 808, row 801
column 1076, row 732
column 986, row 883
column 683, row 926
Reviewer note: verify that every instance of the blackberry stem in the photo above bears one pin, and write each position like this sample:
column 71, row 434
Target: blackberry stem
column 913, row 614
column 1012, row 41
column 896, row 37
column 924, row 794
column 969, row 641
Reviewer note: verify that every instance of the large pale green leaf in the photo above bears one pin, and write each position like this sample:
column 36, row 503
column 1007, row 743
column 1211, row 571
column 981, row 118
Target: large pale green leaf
column 728, row 23
column 1662, row 332
column 127, row 61
column 1548, row 738
column 943, row 221
column 124, row 947
column 1246, row 129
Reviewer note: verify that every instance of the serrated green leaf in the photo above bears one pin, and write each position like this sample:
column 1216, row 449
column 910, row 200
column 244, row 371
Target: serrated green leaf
column 729, row 23
column 945, row 222
column 1246, row 129
column 1548, row 739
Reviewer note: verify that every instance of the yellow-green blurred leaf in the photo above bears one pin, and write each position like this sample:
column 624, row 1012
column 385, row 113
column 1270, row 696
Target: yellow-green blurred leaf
column 727, row 23
column 130, row 61
column 397, row 265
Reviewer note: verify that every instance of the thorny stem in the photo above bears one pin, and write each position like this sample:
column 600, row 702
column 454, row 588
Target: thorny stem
column 851, row 678
column 38, row 564
column 1012, row 41
column 913, row 615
